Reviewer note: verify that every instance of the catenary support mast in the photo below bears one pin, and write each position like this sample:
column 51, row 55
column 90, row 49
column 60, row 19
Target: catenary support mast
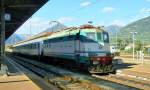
column 2, row 34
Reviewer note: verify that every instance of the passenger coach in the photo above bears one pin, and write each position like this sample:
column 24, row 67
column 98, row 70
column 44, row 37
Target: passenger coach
column 85, row 46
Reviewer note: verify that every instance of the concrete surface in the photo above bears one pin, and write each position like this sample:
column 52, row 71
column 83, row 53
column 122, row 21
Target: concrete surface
column 19, row 82
column 135, row 68
column 19, row 78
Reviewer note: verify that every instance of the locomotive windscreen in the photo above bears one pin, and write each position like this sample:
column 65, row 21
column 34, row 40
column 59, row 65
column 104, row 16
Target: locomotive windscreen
column 105, row 37
column 91, row 35
column 99, row 37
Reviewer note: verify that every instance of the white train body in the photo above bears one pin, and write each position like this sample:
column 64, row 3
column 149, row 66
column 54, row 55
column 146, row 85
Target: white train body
column 86, row 45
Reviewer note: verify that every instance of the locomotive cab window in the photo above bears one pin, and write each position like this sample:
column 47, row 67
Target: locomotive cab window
column 105, row 37
column 99, row 37
column 91, row 35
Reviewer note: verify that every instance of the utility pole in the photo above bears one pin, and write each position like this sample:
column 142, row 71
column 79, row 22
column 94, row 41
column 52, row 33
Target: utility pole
column 116, row 40
column 143, row 46
column 133, row 39
column 2, row 34
column 51, row 22
column 30, row 26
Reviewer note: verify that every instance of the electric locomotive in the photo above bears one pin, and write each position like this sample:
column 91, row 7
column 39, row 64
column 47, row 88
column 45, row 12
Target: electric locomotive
column 85, row 46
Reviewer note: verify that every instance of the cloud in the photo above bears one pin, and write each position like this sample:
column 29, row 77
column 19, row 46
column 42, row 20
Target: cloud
column 85, row 4
column 145, row 11
column 118, row 23
column 65, row 19
column 108, row 9
column 148, row 0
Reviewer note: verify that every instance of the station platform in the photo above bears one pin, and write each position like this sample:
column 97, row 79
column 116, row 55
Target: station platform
column 19, row 82
column 17, row 78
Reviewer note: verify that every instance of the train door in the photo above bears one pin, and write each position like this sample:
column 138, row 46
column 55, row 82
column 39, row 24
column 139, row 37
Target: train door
column 77, row 48
column 40, row 46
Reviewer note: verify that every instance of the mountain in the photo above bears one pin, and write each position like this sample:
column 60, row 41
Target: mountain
column 19, row 37
column 54, row 28
column 142, row 27
column 15, row 38
column 112, row 29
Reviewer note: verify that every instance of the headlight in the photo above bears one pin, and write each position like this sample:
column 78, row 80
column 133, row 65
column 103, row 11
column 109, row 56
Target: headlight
column 98, row 59
column 95, row 62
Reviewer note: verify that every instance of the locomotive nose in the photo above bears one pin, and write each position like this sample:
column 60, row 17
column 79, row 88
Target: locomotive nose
column 106, row 60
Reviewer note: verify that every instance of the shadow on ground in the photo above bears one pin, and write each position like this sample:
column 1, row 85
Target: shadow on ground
column 125, row 65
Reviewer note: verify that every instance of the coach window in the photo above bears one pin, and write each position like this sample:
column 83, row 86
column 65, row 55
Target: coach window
column 45, row 45
column 31, row 46
column 49, row 40
column 65, row 38
column 70, row 36
column 49, row 45
column 34, row 46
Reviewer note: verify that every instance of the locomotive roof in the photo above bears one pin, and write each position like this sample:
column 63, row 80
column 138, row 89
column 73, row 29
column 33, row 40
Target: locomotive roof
column 47, row 34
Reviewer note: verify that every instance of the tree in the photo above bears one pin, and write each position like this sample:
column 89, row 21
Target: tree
column 120, row 44
column 138, row 45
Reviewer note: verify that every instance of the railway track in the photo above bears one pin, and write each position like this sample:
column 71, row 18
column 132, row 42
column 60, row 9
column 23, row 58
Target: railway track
column 141, row 84
column 68, row 80
column 130, row 56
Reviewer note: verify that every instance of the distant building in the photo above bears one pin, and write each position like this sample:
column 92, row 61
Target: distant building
column 114, row 50
column 148, row 48
column 128, row 47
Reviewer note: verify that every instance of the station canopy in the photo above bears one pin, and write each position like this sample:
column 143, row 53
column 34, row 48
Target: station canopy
column 19, row 11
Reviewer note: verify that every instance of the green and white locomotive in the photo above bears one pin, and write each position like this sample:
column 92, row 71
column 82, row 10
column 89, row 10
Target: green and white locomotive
column 86, row 47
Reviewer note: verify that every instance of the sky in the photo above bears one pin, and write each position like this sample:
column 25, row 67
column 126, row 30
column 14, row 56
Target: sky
column 79, row 12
